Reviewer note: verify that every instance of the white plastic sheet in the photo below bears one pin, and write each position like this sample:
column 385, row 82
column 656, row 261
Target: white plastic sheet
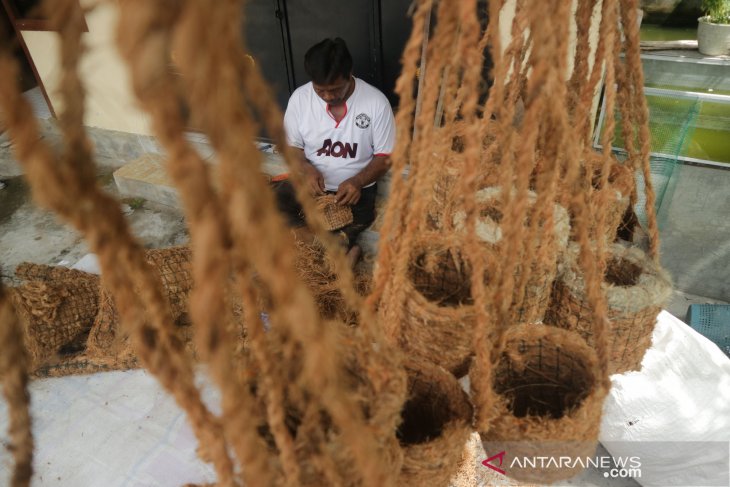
column 122, row 429
column 674, row 413
column 108, row 429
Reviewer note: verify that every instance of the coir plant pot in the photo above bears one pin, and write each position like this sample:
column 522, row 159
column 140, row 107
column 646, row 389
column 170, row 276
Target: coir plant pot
column 531, row 307
column 547, row 395
column 436, row 423
column 438, row 315
column 635, row 288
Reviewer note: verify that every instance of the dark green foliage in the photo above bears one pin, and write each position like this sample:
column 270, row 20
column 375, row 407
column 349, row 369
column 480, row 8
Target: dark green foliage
column 718, row 11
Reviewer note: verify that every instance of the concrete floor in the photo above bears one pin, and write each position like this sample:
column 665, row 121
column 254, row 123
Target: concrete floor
column 28, row 233
column 695, row 231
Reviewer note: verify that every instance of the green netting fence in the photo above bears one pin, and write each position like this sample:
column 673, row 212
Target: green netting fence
column 672, row 117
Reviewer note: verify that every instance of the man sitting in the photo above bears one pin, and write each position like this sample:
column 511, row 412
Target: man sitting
column 344, row 131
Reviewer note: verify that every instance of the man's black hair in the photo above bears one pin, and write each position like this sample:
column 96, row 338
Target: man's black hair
column 327, row 61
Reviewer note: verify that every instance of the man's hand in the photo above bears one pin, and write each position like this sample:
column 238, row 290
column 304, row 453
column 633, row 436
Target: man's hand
column 348, row 192
column 314, row 179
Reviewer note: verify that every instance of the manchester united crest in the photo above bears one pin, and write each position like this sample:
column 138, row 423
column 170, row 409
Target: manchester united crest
column 362, row 121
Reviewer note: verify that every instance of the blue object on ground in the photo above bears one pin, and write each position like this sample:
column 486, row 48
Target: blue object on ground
column 712, row 321
column 265, row 321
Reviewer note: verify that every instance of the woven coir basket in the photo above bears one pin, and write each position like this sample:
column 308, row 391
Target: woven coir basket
column 547, row 397
column 532, row 307
column 29, row 271
column 620, row 184
column 446, row 198
column 173, row 267
column 436, row 424
column 56, row 312
column 82, row 365
column 438, row 321
column 335, row 215
column 374, row 378
column 636, row 289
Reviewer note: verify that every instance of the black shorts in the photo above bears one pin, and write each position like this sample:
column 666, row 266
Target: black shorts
column 363, row 213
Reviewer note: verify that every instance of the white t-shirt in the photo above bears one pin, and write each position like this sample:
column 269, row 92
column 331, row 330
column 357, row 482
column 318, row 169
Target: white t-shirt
column 340, row 150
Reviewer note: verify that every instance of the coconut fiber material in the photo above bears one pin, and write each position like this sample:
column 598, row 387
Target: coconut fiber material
column 531, row 307
column 82, row 365
column 14, row 362
column 56, row 312
column 548, row 400
column 620, row 183
column 331, row 423
column 435, row 425
column 335, row 215
column 457, row 130
column 446, row 196
column 636, row 289
column 314, row 434
column 316, row 269
column 105, row 343
column 438, row 321
column 28, row 271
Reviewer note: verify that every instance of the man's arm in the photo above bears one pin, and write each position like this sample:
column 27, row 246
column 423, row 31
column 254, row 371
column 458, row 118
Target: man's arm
column 383, row 127
column 348, row 193
column 294, row 138
column 313, row 178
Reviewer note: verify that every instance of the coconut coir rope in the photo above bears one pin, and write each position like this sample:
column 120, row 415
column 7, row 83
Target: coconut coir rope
column 67, row 185
column 538, row 152
column 14, row 364
column 221, row 116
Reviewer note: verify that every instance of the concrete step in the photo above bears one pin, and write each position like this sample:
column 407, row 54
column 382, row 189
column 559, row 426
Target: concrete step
column 146, row 177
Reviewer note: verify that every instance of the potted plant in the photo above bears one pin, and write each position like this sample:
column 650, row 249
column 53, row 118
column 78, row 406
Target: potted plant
column 713, row 31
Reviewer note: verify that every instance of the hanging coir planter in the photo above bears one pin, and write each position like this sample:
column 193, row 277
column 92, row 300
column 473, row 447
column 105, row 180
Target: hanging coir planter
column 636, row 289
column 446, row 198
column 620, row 183
column 376, row 381
column 438, row 322
column 532, row 307
column 436, row 424
column 547, row 399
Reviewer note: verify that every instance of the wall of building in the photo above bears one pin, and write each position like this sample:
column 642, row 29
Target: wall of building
column 505, row 27
column 109, row 103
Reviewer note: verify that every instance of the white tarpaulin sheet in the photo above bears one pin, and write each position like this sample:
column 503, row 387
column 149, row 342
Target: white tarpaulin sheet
column 674, row 414
column 108, row 429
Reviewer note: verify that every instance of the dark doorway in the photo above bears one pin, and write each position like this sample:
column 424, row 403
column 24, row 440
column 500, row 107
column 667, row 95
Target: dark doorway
column 279, row 32
column 17, row 15
column 8, row 34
